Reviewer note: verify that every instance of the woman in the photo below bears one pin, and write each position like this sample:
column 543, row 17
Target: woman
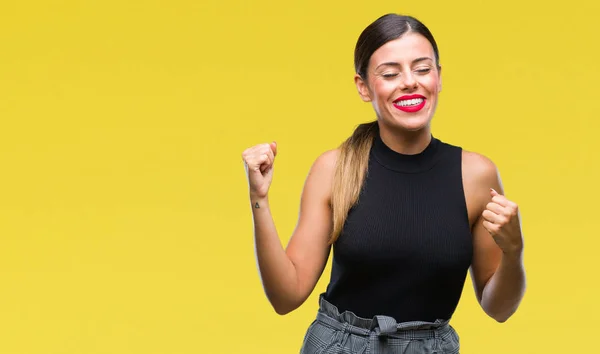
column 407, row 216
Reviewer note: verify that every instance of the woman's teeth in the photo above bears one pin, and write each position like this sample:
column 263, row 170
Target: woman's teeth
column 412, row 102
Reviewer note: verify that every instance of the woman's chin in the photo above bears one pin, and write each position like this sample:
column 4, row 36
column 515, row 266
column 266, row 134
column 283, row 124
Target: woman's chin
column 411, row 124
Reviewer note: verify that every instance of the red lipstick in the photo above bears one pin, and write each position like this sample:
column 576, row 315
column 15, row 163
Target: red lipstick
column 412, row 108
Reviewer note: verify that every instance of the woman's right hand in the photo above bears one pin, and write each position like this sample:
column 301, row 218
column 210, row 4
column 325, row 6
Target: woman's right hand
column 258, row 161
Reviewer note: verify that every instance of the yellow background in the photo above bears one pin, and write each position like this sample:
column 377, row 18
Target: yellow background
column 124, row 220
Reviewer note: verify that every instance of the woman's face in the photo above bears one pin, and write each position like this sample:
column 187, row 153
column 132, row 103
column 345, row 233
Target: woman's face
column 403, row 82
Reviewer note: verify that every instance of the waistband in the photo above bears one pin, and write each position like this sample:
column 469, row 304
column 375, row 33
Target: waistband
column 381, row 325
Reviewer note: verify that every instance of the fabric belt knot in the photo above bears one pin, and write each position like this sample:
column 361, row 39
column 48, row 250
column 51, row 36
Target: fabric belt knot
column 385, row 325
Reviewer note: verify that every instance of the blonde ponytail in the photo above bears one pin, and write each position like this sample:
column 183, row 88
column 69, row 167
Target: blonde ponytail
column 350, row 172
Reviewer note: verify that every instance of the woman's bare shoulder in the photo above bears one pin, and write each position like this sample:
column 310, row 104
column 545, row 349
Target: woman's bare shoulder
column 478, row 168
column 328, row 159
column 479, row 175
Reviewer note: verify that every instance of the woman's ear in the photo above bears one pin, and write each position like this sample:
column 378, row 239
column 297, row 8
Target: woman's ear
column 439, row 79
column 363, row 88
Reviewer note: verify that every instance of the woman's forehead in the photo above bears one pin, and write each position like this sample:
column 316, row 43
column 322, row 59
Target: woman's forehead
column 405, row 49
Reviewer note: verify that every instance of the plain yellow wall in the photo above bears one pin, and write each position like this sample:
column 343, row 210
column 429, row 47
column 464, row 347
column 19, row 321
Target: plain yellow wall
column 124, row 219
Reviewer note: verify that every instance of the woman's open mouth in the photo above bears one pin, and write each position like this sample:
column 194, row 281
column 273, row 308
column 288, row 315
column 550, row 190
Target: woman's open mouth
column 410, row 103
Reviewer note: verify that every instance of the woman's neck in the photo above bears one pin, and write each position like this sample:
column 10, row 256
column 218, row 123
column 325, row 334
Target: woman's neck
column 406, row 142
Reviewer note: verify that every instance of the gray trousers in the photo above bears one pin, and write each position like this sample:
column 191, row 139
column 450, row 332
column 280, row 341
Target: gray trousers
column 333, row 332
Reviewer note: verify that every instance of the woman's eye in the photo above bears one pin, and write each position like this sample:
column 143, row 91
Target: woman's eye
column 424, row 70
column 388, row 75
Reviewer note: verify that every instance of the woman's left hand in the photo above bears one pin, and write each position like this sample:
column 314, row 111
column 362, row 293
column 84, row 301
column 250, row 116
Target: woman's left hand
column 501, row 219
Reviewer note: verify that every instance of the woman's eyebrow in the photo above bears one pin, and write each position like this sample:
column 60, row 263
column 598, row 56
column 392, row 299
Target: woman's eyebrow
column 393, row 63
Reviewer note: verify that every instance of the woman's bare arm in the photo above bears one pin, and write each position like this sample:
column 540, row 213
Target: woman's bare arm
column 497, row 270
column 290, row 275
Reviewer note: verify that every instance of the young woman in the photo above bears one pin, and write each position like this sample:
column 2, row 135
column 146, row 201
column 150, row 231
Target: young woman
column 406, row 214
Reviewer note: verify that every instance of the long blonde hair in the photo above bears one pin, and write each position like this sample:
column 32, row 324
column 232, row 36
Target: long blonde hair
column 350, row 172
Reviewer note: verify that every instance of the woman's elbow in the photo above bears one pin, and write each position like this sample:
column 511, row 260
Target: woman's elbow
column 284, row 309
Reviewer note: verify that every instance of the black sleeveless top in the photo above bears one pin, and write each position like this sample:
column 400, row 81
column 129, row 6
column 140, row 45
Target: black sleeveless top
column 406, row 246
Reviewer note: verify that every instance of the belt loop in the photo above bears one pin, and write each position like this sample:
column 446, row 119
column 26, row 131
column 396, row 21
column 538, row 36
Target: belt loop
column 437, row 340
column 345, row 334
